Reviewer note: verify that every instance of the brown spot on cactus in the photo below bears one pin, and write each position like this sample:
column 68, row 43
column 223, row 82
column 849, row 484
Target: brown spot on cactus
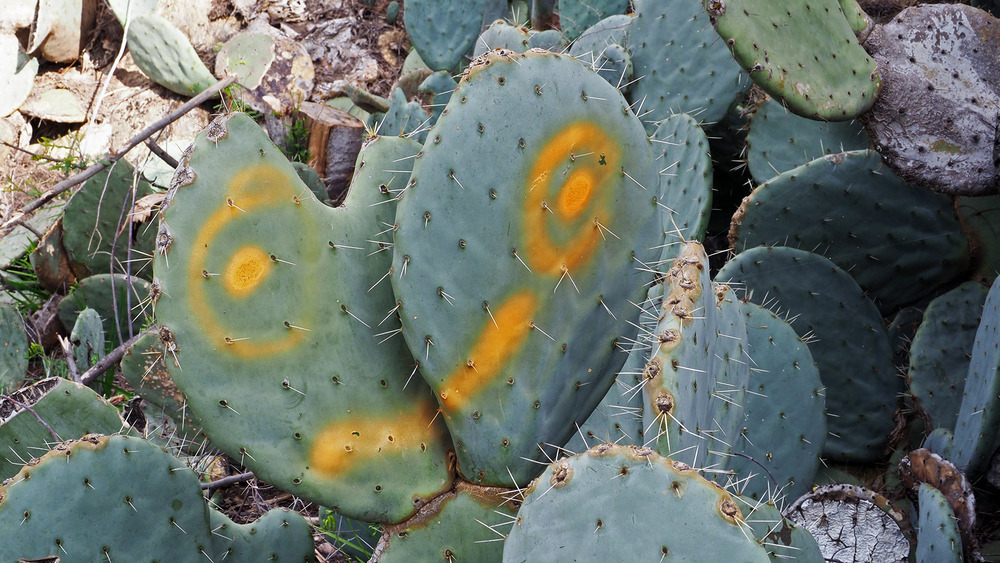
column 561, row 474
column 652, row 370
column 729, row 510
column 680, row 465
column 664, row 403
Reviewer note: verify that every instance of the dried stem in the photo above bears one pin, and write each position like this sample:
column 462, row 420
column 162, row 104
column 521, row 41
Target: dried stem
column 109, row 361
column 32, row 411
column 93, row 169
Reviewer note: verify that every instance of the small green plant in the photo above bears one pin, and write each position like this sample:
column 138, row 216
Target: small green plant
column 66, row 164
column 52, row 367
column 232, row 101
column 296, row 141
column 349, row 541
column 21, row 283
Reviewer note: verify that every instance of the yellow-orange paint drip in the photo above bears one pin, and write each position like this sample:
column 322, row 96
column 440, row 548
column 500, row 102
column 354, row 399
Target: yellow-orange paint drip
column 247, row 268
column 595, row 160
column 258, row 187
column 343, row 445
column 496, row 345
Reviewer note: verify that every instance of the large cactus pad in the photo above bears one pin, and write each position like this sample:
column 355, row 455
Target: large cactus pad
column 517, row 254
column 272, row 306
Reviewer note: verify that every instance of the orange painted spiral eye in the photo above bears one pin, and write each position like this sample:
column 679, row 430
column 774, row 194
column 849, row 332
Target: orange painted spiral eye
column 576, row 171
column 247, row 269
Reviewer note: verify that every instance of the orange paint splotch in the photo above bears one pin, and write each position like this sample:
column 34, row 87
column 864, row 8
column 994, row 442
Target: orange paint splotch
column 343, row 445
column 497, row 344
column 247, row 268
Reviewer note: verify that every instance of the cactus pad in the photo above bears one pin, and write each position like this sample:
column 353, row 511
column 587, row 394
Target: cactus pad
column 13, row 349
column 682, row 65
column 163, row 53
column 443, row 32
column 936, row 119
column 574, row 511
column 70, row 410
column 941, row 349
column 784, row 430
column 779, row 140
column 123, row 303
column 803, row 52
column 576, row 16
column 98, row 228
column 696, row 377
column 977, row 431
column 838, row 206
column 257, row 279
column 130, row 489
column 465, row 524
column 847, row 340
column 516, row 273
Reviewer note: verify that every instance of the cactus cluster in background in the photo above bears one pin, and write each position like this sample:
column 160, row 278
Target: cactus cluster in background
column 548, row 321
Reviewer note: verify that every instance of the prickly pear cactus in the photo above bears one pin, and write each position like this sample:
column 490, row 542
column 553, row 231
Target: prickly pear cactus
column 979, row 215
column 683, row 65
column 146, row 368
column 602, row 48
column 516, row 271
column 686, row 180
column 130, row 489
column 163, row 53
column 87, row 337
column 404, row 119
column 922, row 468
column 122, row 302
column 576, row 16
column 784, row 428
column 941, row 350
column 98, row 231
column 436, row 89
column 778, row 140
column 695, row 380
column 845, row 335
column 574, row 512
column 466, row 524
column 112, row 477
column 502, row 35
column 803, row 52
column 618, row 417
column 938, row 537
column 69, row 409
column 13, row 349
column 838, row 206
column 257, row 278
column 278, row 535
column 443, row 32
column 977, row 431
